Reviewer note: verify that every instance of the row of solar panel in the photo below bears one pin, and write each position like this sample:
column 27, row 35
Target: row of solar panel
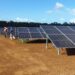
column 30, row 32
column 61, row 36
column 55, row 35
column 26, row 32
column 32, row 35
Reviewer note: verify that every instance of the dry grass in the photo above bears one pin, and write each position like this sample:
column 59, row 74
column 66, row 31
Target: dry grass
column 33, row 59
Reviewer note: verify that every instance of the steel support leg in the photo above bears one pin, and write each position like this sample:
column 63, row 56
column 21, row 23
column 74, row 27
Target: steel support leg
column 58, row 50
column 46, row 43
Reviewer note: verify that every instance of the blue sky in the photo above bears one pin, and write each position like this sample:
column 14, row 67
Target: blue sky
column 38, row 10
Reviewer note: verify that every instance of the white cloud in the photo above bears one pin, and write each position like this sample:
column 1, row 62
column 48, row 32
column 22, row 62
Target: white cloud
column 23, row 19
column 72, row 20
column 49, row 12
column 59, row 5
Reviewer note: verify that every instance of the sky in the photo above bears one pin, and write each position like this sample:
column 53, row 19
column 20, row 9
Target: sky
column 44, row 11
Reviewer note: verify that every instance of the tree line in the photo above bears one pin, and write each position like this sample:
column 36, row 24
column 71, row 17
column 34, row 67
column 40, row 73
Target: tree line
column 30, row 24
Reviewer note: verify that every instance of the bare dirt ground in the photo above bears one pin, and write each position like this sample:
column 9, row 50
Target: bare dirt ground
column 34, row 59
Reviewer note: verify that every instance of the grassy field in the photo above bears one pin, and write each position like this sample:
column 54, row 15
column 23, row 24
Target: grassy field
column 33, row 58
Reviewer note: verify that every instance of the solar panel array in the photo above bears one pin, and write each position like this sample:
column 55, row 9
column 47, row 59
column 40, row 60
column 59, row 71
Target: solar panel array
column 69, row 32
column 30, row 33
column 60, row 36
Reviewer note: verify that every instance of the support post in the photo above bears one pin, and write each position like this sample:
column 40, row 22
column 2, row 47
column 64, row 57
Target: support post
column 46, row 43
column 58, row 51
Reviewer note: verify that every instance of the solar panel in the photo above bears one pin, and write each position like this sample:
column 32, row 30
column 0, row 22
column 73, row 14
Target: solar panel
column 66, row 30
column 61, row 36
column 42, row 32
column 73, row 27
column 30, row 32
column 33, row 29
column 48, row 27
column 36, row 35
column 52, row 32
column 57, row 35
column 64, row 44
column 24, row 35
column 22, row 29
column 69, row 32
column 44, row 35
column 58, row 38
column 72, row 37
column 62, row 27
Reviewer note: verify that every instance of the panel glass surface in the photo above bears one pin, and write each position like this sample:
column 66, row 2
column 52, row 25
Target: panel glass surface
column 64, row 44
column 59, row 36
column 24, row 35
column 36, row 35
